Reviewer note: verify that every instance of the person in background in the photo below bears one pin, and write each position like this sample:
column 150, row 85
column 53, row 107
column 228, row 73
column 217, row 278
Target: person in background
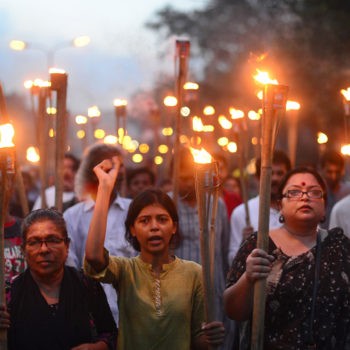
column 307, row 271
column 160, row 296
column 53, row 306
column 138, row 179
column 31, row 192
column 332, row 166
column 340, row 216
column 231, row 193
column 189, row 247
column 239, row 230
column 70, row 168
column 78, row 216
column 14, row 261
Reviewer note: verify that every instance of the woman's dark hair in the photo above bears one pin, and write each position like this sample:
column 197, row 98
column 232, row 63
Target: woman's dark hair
column 303, row 170
column 144, row 199
column 40, row 215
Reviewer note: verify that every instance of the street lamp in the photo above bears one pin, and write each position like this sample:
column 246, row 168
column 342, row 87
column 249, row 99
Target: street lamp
column 20, row 45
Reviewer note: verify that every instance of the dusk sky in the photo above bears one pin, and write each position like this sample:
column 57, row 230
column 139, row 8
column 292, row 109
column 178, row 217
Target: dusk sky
column 121, row 58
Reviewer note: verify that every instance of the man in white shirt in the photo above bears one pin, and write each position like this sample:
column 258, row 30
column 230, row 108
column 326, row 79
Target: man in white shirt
column 239, row 230
column 340, row 215
column 78, row 217
column 70, row 168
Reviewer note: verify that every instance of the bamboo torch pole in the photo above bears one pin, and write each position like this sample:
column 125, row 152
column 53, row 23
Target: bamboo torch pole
column 274, row 100
column 58, row 80
column 183, row 51
column 43, row 126
column 7, row 172
column 207, row 187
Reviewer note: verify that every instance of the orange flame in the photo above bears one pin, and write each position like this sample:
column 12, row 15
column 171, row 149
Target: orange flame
column 346, row 93
column 32, row 154
column 224, row 122
column 201, row 156
column 252, row 115
column 236, row 113
column 118, row 102
column 264, row 78
column 197, row 124
column 6, row 135
column 292, row 106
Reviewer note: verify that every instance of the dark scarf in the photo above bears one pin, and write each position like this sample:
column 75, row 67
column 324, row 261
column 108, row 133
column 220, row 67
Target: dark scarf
column 33, row 324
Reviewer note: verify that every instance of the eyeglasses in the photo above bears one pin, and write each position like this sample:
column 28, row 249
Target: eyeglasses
column 297, row 194
column 51, row 242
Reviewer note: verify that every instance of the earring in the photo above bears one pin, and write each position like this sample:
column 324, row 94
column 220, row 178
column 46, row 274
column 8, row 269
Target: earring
column 323, row 220
column 281, row 219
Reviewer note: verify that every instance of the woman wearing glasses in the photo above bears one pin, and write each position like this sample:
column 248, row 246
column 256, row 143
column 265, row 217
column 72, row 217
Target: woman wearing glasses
column 50, row 305
column 307, row 271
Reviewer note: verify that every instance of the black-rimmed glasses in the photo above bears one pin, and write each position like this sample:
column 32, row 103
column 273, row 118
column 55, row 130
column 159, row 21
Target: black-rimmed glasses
column 297, row 194
column 51, row 242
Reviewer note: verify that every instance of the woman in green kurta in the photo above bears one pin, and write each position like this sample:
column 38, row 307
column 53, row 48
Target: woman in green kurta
column 160, row 297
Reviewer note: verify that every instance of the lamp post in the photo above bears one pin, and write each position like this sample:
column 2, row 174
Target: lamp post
column 20, row 45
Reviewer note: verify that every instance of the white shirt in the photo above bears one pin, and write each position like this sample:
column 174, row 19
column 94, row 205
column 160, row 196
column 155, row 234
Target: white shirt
column 78, row 218
column 340, row 215
column 238, row 223
column 50, row 194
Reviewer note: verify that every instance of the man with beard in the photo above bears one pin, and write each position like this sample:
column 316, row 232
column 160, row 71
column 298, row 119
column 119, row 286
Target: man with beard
column 189, row 247
column 239, row 231
column 70, row 167
column 78, row 217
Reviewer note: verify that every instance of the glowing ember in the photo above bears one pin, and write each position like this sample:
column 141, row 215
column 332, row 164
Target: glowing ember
column 6, row 135
column 201, row 156
column 264, row 78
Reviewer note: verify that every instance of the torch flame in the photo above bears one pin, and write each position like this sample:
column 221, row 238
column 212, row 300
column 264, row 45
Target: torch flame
column 119, row 102
column 252, row 115
column 224, row 122
column 201, row 156
column 32, row 154
column 322, row 138
column 292, row 106
column 197, row 124
column 346, row 93
column 264, row 78
column 236, row 113
column 6, row 135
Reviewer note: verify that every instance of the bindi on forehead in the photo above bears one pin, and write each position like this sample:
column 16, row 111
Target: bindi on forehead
column 303, row 183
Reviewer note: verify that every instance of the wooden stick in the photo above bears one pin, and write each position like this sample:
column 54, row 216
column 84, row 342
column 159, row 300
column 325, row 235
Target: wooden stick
column 207, row 200
column 183, row 48
column 59, row 83
column 274, row 99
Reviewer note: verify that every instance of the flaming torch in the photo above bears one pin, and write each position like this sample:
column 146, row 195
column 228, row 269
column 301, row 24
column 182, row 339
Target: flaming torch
column 182, row 53
column 207, row 189
column 292, row 108
column 120, row 114
column 7, row 172
column 346, row 103
column 58, row 80
column 274, row 102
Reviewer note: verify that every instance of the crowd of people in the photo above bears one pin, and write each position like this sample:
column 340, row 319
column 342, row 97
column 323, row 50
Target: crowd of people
column 120, row 267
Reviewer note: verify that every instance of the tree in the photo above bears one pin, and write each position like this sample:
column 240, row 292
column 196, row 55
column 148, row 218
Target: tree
column 302, row 43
